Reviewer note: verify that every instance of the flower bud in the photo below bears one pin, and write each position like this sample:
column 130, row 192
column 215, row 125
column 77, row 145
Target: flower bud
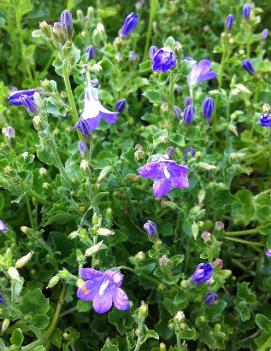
column 266, row 108
column 37, row 122
column 84, row 165
column 132, row 56
column 23, row 260
column 208, row 106
column 53, row 282
column 180, row 316
column 143, row 310
column 140, row 255
column 9, row 132
column 42, row 171
column 13, row 273
column 93, row 249
column 26, row 230
column 246, row 11
column 150, row 228
column 121, row 105
column 91, row 52
column 247, row 65
column 46, row 29
column 164, row 107
column 188, row 114
column 139, row 155
column 229, row 21
column 219, row 225
column 82, row 147
column 177, row 112
column 206, row 236
column 218, row 263
column 163, row 261
column 105, row 232
column 162, row 347
column 97, row 68
column 5, row 325
column 66, row 21
column 58, row 32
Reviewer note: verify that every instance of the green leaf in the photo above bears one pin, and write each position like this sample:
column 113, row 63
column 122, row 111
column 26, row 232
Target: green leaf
column 41, row 321
column 153, row 96
column 34, row 303
column 108, row 346
column 83, row 306
column 149, row 334
column 263, row 322
column 17, row 337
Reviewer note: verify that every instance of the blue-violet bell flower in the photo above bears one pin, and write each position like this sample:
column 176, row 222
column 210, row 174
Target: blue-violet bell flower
column 188, row 114
column 2, row 300
column 229, row 21
column 66, row 19
column 211, row 298
column 268, row 253
column 93, row 112
column 200, row 72
column 129, row 25
column 177, row 112
column 167, row 174
column 3, row 226
column 264, row 34
column 203, row 273
column 152, row 51
column 246, row 11
column 208, row 106
column 188, row 151
column 103, row 289
column 121, row 105
column 163, row 60
column 132, row 56
column 247, row 65
column 15, row 98
column 150, row 228
column 90, row 50
column 82, row 147
column 265, row 120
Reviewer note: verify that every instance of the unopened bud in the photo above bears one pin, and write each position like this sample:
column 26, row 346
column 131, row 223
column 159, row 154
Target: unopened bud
column 219, row 225
column 143, row 310
column 105, row 232
column 163, row 139
column 52, row 282
column 162, row 347
column 46, row 29
column 163, row 261
column 266, row 108
column 84, row 165
column 97, row 68
column 218, row 263
column 139, row 155
column 42, row 171
column 13, row 273
column 5, row 325
column 9, row 132
column 206, row 236
column 180, row 316
column 37, row 122
column 26, row 230
column 93, row 249
column 178, row 46
column 140, row 255
column 164, row 107
column 185, row 283
column 23, row 260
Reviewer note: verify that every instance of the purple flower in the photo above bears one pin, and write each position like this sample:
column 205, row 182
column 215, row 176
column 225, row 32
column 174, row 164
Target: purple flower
column 208, row 106
column 189, row 59
column 93, row 113
column 187, row 151
column 203, row 273
column 132, row 56
column 150, row 228
column 163, row 60
column 103, row 289
column 152, row 51
column 121, row 105
column 129, row 25
column 211, row 298
column 30, row 105
column 90, row 50
column 3, row 226
column 188, row 101
column 170, row 151
column 246, row 11
column 264, row 34
column 265, row 120
column 2, row 300
column 66, row 19
column 268, row 253
column 15, row 98
column 167, row 174
column 201, row 72
column 188, row 114
column 229, row 21
column 247, row 65
column 82, row 147
column 177, row 112
column 9, row 132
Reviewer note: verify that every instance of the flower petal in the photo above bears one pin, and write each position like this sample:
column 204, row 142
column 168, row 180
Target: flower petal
column 90, row 273
column 180, row 182
column 150, row 170
column 87, row 126
column 89, row 290
column 161, row 187
column 120, row 299
column 102, row 304
column 174, row 169
column 108, row 116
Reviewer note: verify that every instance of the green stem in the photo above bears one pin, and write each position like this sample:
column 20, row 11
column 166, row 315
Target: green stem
column 138, row 343
column 266, row 345
column 243, row 232
column 52, row 326
column 38, row 197
column 241, row 241
column 151, row 17
column 179, row 346
column 29, row 211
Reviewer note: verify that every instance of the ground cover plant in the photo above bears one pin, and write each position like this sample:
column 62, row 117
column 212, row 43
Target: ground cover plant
column 135, row 166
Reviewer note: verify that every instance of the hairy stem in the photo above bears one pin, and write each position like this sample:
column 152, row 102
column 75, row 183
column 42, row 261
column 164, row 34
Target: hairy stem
column 153, row 5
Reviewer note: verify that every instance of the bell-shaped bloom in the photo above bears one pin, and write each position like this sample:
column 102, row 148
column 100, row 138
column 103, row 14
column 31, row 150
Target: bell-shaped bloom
column 188, row 101
column 82, row 147
column 208, row 106
column 150, row 228
column 103, row 289
column 229, row 21
column 247, row 65
column 167, row 174
column 188, row 114
column 129, row 24
column 268, row 253
column 163, row 60
column 3, row 226
column 152, row 51
column 90, row 50
column 188, row 151
column 246, row 11
column 177, row 112
column 121, row 105
column 265, row 120
column 15, row 98
column 265, row 34
column 66, row 19
column 211, row 298
column 203, row 273
column 201, row 72
column 93, row 112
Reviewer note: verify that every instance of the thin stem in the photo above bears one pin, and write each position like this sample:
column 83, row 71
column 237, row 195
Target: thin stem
column 148, row 37
column 39, row 198
column 53, row 324
column 243, row 232
column 138, row 344
column 29, row 211
column 179, row 346
column 241, row 241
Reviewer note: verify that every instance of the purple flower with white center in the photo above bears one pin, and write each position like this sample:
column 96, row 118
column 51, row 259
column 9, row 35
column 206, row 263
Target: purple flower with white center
column 150, row 228
column 167, row 174
column 246, row 11
column 188, row 114
column 229, row 21
column 103, row 289
column 15, row 98
column 121, row 105
column 82, row 147
column 93, row 112
column 132, row 56
column 3, row 226
column 152, row 51
column 188, row 151
column 268, row 253
column 211, row 298
column 247, row 65
column 129, row 25
column 9, row 132
column 177, row 112
column 265, row 120
column 66, row 19
column 203, row 273
column 163, row 60
column 264, row 34
column 90, row 50
column 201, row 72
column 208, row 106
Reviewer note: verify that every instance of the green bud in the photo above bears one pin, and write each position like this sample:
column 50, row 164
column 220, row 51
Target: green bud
column 46, row 29
column 143, row 310
column 52, row 282
column 5, row 325
column 163, row 347
column 80, row 15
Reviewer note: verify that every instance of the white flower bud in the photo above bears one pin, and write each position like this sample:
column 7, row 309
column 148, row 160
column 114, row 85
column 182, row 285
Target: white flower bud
column 93, row 249
column 52, row 282
column 180, row 316
column 84, row 165
column 42, row 171
column 5, row 325
column 105, row 232
column 23, row 260
column 13, row 273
